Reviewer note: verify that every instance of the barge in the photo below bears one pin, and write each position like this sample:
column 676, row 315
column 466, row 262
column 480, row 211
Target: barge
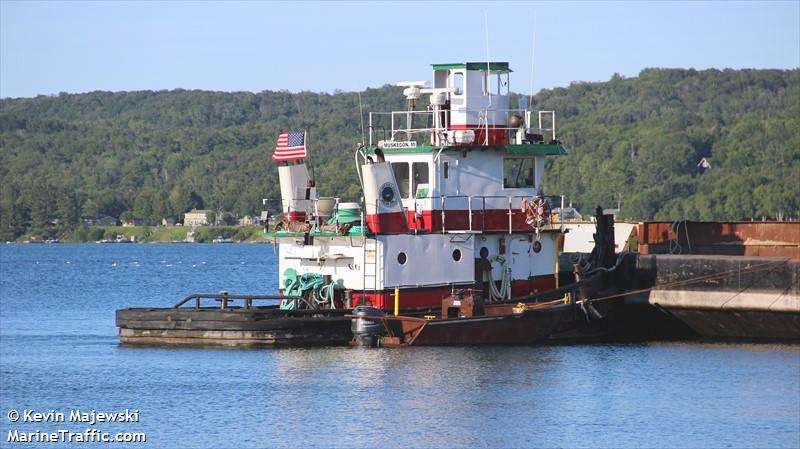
column 232, row 320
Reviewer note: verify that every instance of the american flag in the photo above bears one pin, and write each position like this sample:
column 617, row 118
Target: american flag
column 291, row 146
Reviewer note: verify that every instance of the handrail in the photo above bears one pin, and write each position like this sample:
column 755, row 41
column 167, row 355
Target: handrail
column 483, row 121
column 224, row 298
column 439, row 203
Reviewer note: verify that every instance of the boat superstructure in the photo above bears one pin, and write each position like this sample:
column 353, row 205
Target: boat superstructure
column 452, row 200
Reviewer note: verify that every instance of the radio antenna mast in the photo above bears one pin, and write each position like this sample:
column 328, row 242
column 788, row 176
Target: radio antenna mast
column 488, row 66
column 533, row 58
column 361, row 116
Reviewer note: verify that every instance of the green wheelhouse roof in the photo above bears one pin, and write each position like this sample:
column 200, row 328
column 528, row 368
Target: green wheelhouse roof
column 522, row 150
column 495, row 66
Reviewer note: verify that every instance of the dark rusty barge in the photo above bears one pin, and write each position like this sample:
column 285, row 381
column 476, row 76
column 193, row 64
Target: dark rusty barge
column 721, row 297
column 233, row 321
column 703, row 280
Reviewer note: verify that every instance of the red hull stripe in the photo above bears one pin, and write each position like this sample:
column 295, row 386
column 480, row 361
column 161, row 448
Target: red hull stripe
column 432, row 297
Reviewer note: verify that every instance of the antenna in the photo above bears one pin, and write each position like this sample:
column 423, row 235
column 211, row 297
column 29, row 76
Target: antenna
column 533, row 57
column 488, row 67
column 361, row 116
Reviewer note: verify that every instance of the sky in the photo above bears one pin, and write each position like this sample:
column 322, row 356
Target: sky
column 62, row 46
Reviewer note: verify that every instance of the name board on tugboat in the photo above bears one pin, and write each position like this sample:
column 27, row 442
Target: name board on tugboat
column 397, row 144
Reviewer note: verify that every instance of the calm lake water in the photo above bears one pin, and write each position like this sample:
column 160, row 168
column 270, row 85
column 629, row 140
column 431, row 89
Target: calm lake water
column 59, row 351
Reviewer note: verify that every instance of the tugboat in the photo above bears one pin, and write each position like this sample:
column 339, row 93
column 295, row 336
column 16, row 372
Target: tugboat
column 452, row 203
column 452, row 200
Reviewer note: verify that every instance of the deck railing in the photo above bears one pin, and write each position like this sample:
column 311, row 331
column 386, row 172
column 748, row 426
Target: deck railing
column 426, row 127
column 225, row 299
column 476, row 209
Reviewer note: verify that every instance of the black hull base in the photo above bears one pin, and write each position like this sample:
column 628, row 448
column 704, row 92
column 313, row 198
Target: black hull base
column 233, row 327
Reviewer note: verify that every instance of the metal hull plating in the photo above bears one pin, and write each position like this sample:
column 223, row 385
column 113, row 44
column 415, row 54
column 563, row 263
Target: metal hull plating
column 233, row 327
column 500, row 325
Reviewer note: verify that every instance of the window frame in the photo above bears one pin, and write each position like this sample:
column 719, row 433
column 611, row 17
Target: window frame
column 532, row 167
column 427, row 172
column 407, row 167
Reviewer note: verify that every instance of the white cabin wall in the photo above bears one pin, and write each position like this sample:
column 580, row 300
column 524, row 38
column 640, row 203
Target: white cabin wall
column 429, row 260
column 474, row 99
column 346, row 271
column 539, row 175
column 524, row 262
column 480, row 174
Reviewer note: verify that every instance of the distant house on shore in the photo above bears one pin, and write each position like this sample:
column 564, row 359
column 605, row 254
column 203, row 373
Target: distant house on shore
column 196, row 217
column 167, row 222
column 99, row 220
column 246, row 221
column 703, row 165
column 131, row 222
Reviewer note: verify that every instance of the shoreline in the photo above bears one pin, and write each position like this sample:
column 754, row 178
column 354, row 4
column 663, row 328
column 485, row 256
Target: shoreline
column 150, row 234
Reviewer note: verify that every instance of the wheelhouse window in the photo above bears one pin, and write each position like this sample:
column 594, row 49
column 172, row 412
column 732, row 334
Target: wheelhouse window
column 401, row 175
column 519, row 172
column 421, row 187
column 458, row 83
column 495, row 83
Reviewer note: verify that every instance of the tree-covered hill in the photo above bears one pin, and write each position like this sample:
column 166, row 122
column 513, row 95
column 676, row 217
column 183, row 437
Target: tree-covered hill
column 634, row 141
column 638, row 141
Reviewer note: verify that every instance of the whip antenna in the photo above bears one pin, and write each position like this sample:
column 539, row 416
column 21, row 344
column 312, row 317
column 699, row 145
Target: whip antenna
column 533, row 58
column 488, row 73
column 361, row 116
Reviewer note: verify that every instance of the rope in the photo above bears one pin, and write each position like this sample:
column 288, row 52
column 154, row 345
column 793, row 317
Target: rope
column 308, row 282
column 504, row 292
column 674, row 245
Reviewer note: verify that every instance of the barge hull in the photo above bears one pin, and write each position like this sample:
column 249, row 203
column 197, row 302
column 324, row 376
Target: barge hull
column 717, row 297
column 235, row 327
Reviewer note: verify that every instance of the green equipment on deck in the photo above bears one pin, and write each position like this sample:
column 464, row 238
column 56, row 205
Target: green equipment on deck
column 301, row 285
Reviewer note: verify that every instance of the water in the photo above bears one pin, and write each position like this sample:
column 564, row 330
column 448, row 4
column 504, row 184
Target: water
column 59, row 351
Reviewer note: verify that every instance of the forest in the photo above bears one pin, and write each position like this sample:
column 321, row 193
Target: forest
column 633, row 142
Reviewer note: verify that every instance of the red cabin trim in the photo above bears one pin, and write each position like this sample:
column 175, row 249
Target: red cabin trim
column 387, row 223
column 458, row 220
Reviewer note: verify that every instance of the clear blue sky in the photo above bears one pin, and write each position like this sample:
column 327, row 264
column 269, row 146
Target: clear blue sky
column 60, row 46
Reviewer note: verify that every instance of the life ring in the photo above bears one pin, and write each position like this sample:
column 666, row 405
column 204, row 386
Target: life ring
column 537, row 212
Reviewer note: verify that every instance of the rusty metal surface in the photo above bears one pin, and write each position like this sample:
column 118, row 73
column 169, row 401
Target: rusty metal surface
column 737, row 238
column 530, row 326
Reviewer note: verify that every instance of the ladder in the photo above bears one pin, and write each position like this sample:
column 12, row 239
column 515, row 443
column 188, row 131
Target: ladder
column 370, row 265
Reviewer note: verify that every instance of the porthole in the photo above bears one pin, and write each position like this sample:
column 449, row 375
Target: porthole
column 401, row 258
column 456, row 254
column 537, row 246
column 484, row 252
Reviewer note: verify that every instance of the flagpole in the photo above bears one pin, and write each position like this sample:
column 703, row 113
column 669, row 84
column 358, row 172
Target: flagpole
column 308, row 156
